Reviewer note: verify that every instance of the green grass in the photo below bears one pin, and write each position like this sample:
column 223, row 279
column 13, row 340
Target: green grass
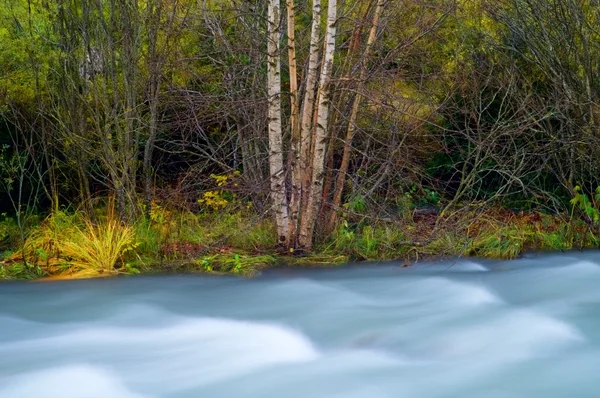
column 366, row 242
column 240, row 243
column 238, row 264
column 503, row 243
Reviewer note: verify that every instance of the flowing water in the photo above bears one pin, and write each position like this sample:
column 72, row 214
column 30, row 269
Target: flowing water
column 527, row 328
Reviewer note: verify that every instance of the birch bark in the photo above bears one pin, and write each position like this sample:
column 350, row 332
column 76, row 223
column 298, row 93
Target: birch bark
column 295, row 125
column 308, row 110
column 278, row 194
column 320, row 143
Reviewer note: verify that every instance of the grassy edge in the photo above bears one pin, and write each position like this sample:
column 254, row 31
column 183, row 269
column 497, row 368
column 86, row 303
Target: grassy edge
column 239, row 244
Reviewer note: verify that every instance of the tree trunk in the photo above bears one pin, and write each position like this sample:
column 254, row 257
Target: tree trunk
column 308, row 110
column 344, row 93
column 351, row 129
column 322, row 124
column 294, row 123
column 154, row 10
column 278, row 194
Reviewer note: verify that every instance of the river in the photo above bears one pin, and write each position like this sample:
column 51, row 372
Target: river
column 465, row 328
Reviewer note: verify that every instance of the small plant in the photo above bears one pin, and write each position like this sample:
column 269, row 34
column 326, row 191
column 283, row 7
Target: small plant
column 405, row 206
column 131, row 269
column 206, row 263
column 501, row 244
column 218, row 199
column 236, row 264
column 415, row 197
column 587, row 206
column 20, row 270
column 367, row 244
column 239, row 264
column 371, row 242
column 158, row 214
column 432, row 197
column 343, row 236
column 9, row 232
column 356, row 204
column 556, row 240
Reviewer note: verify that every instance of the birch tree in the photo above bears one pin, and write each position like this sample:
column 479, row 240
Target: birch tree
column 303, row 171
column 294, row 122
column 278, row 191
column 321, row 130
column 309, row 129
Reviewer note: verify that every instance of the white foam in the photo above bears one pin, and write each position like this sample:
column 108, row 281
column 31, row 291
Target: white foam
column 308, row 289
column 467, row 266
column 76, row 381
column 515, row 336
column 457, row 293
column 189, row 353
column 582, row 268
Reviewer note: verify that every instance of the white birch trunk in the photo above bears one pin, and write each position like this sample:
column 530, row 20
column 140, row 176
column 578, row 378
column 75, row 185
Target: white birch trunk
column 322, row 125
column 308, row 109
column 278, row 194
column 295, row 124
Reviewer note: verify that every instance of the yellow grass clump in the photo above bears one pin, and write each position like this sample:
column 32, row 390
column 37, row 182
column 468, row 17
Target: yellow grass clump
column 95, row 249
column 72, row 246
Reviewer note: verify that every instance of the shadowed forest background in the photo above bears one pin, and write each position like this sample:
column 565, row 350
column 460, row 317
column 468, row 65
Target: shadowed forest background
column 221, row 135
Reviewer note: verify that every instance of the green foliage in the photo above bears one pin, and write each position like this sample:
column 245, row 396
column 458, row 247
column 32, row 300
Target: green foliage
column 587, row 206
column 227, row 229
column 450, row 243
column 379, row 242
column 131, row 268
column 10, row 166
column 149, row 238
column 238, row 264
column 176, row 239
column 25, row 51
column 20, row 270
column 343, row 237
column 356, row 204
column 422, row 197
column 9, row 232
column 503, row 243
column 556, row 240
column 68, row 244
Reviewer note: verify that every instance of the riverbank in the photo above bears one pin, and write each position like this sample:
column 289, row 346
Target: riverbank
column 70, row 245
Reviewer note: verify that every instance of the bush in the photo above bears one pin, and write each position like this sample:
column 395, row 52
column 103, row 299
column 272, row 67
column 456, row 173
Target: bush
column 95, row 249
column 74, row 246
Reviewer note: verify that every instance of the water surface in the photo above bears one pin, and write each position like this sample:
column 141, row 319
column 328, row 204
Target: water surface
column 526, row 328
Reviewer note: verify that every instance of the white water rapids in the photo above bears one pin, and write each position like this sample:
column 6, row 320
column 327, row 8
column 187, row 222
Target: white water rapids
column 464, row 329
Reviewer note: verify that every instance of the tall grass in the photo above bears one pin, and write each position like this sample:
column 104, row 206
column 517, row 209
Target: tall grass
column 367, row 243
column 95, row 249
column 72, row 245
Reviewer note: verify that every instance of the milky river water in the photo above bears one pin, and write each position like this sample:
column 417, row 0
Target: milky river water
column 466, row 328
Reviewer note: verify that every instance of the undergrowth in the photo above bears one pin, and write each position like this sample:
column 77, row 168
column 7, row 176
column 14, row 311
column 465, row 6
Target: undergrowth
column 72, row 245
column 69, row 244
